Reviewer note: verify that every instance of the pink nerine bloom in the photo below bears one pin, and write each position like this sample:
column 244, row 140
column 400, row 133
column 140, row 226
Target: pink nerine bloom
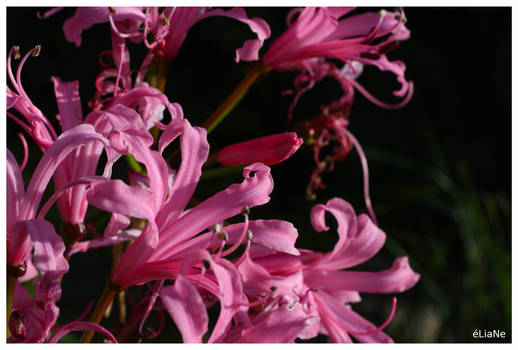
column 321, row 33
column 318, row 282
column 169, row 26
column 268, row 150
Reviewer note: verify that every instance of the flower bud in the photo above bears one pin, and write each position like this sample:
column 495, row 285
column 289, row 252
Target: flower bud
column 268, row 150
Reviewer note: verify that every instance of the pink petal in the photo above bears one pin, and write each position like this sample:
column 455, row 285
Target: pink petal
column 69, row 103
column 84, row 246
column 347, row 223
column 268, row 150
column 59, row 150
column 15, row 190
column 397, row 279
column 195, row 149
column 48, row 247
column 282, row 325
column 117, row 197
column 81, row 326
column 85, row 17
column 186, row 307
column 231, row 297
column 253, row 191
column 363, row 246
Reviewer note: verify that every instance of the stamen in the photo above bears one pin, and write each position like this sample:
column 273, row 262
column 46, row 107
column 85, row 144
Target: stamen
column 206, row 264
column 112, row 10
column 150, row 305
column 37, row 50
column 382, row 104
column 245, row 210
column 119, row 70
column 217, row 228
column 244, row 233
column 249, row 235
column 25, row 151
column 165, row 21
column 223, row 235
column 365, row 169
column 383, row 326
column 16, row 52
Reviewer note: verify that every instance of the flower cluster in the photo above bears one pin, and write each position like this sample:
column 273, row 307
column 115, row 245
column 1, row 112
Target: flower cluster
column 187, row 253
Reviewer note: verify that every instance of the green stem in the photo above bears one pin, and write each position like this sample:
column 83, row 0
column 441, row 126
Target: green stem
column 157, row 74
column 109, row 293
column 11, row 286
column 235, row 97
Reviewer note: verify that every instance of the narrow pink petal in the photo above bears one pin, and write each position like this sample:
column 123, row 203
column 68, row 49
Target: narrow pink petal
column 81, row 326
column 347, row 223
column 69, row 103
column 346, row 320
column 195, row 149
column 116, row 224
column 277, row 235
column 85, row 17
column 268, row 150
column 253, row 191
column 19, row 244
column 117, row 197
column 15, row 190
column 84, row 246
column 281, row 325
column 59, row 150
column 397, row 279
column 186, row 307
column 48, row 247
column 231, row 296
column 363, row 246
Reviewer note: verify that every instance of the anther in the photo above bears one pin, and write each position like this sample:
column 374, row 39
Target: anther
column 112, row 10
column 245, row 210
column 37, row 50
column 165, row 21
column 383, row 13
column 222, row 235
column 273, row 289
column 206, row 264
column 249, row 234
column 16, row 52
column 217, row 228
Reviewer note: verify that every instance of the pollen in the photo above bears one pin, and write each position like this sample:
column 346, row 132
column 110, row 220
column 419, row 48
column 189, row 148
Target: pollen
column 16, row 52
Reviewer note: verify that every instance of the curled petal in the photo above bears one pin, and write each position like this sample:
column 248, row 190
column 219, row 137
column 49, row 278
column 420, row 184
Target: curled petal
column 69, row 103
column 195, row 149
column 253, row 191
column 81, row 326
column 48, row 247
column 347, row 223
column 186, row 307
column 85, row 17
column 117, row 197
column 398, row 278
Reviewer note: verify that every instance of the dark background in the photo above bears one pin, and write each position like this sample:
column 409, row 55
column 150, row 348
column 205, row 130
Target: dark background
column 440, row 167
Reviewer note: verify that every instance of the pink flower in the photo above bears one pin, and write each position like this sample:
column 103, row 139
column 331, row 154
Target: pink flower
column 169, row 27
column 33, row 247
column 321, row 33
column 318, row 282
column 268, row 150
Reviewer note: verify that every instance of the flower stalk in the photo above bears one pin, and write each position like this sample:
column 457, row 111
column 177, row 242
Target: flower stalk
column 235, row 97
column 109, row 293
column 11, row 286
